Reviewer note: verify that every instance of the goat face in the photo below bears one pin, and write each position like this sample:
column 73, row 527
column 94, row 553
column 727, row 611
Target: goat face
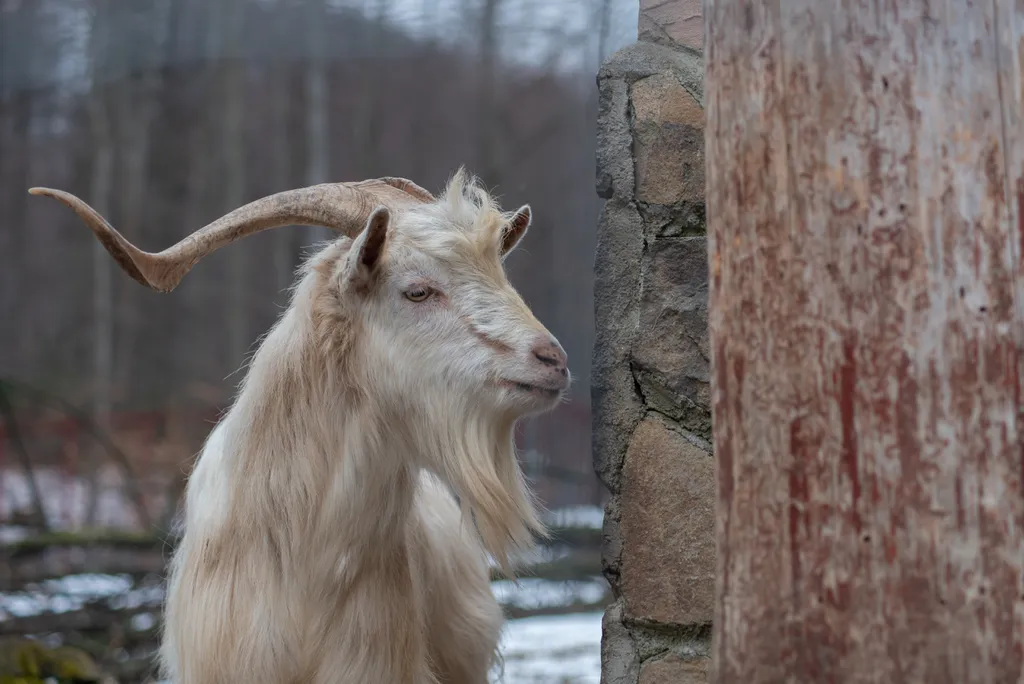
column 423, row 276
column 436, row 351
column 442, row 321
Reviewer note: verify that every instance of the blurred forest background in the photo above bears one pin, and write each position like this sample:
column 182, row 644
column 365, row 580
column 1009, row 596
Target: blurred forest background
column 164, row 115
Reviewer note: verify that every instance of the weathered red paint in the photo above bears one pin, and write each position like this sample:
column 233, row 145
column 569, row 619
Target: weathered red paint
column 798, row 497
column 1020, row 213
column 847, row 389
column 865, row 166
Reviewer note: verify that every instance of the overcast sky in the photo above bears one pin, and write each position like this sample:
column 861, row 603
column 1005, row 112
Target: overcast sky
column 534, row 29
column 553, row 32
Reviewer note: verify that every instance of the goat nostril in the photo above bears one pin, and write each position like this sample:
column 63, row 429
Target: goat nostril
column 550, row 355
column 545, row 356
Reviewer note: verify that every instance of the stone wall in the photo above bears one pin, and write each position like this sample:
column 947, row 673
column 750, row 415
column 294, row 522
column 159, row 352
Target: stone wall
column 652, row 419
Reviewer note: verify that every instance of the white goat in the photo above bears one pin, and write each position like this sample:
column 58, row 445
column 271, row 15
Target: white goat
column 322, row 542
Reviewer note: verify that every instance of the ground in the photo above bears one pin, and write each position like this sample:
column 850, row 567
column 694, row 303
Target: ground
column 553, row 649
column 550, row 649
column 545, row 649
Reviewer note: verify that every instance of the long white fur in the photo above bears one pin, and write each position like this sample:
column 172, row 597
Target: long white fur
column 322, row 542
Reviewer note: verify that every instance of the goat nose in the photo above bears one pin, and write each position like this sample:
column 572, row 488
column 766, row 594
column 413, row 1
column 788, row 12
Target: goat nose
column 550, row 353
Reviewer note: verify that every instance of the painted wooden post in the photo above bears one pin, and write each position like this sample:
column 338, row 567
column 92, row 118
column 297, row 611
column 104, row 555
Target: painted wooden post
column 865, row 170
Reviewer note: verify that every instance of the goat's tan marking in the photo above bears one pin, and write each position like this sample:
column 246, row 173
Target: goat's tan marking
column 495, row 344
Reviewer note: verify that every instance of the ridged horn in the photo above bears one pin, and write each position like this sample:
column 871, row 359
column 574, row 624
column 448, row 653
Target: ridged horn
column 343, row 207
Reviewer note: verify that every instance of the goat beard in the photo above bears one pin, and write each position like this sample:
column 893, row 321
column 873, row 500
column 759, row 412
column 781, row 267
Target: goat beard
column 483, row 470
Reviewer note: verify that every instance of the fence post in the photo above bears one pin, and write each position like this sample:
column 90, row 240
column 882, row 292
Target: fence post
column 865, row 170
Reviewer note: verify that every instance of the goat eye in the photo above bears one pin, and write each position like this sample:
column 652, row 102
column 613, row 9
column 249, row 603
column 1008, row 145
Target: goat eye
column 417, row 294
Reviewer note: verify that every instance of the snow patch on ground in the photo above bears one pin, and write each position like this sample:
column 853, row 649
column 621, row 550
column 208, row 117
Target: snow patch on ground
column 74, row 591
column 532, row 592
column 556, row 649
column 591, row 517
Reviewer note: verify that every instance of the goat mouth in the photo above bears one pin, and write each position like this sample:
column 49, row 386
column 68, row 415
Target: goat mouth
column 528, row 388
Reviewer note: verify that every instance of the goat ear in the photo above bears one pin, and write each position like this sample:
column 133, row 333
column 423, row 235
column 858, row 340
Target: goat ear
column 515, row 229
column 368, row 247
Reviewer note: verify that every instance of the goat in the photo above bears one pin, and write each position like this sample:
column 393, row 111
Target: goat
column 338, row 518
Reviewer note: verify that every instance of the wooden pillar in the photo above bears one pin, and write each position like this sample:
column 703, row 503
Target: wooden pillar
column 865, row 171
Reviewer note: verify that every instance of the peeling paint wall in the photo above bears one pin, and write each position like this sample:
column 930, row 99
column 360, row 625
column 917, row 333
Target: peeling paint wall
column 867, row 331
column 651, row 384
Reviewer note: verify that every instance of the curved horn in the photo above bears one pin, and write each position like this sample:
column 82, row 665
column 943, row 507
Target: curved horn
column 408, row 186
column 344, row 207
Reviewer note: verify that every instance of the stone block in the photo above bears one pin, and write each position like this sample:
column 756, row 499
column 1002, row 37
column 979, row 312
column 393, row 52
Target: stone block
column 640, row 60
column 674, row 670
column 668, row 130
column 662, row 98
column 685, row 218
column 671, row 352
column 614, row 141
column 617, row 407
column 611, row 539
column 672, row 22
column 619, row 664
column 667, row 506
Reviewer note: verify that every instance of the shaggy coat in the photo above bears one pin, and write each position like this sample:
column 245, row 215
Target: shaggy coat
column 323, row 541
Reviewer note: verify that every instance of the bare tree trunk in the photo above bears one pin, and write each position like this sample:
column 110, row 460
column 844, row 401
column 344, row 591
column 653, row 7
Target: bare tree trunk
column 168, row 181
column 866, row 203
column 487, row 91
column 284, row 240
column 317, row 124
column 103, row 286
column 136, row 107
column 100, row 190
column 10, row 422
column 374, row 91
column 15, row 164
column 197, row 329
column 233, row 138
